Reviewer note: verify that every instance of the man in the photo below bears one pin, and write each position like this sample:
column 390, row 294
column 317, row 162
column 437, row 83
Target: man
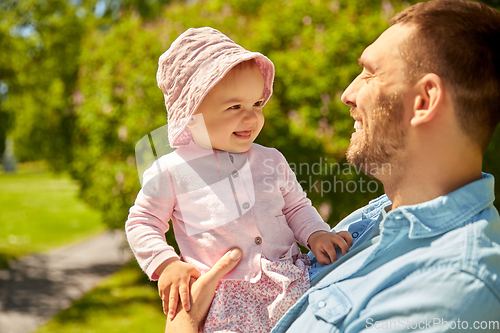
column 426, row 255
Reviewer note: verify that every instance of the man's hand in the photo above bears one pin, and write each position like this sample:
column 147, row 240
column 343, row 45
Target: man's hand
column 323, row 244
column 202, row 293
column 174, row 281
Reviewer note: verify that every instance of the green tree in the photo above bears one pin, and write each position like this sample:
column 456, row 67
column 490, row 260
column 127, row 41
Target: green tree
column 43, row 44
column 119, row 104
column 314, row 45
column 82, row 89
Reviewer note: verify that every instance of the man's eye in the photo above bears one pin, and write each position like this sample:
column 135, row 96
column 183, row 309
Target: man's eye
column 259, row 103
column 367, row 76
column 234, row 107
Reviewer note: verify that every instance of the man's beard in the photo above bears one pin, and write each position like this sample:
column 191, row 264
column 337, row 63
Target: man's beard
column 374, row 152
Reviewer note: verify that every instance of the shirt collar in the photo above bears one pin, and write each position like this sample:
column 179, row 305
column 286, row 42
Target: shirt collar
column 374, row 208
column 447, row 212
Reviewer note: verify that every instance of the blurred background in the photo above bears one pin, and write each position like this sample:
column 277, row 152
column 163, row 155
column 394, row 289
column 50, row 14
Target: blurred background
column 78, row 91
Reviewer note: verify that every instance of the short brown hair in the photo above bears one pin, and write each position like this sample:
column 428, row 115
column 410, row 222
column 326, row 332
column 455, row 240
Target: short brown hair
column 460, row 42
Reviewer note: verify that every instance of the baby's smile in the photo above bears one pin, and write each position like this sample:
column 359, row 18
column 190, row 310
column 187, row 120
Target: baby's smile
column 243, row 134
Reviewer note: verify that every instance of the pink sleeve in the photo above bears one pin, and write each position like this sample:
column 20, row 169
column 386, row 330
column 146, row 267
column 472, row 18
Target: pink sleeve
column 301, row 216
column 148, row 221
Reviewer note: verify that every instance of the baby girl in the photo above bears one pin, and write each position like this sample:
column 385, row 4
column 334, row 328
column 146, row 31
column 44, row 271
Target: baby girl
column 223, row 191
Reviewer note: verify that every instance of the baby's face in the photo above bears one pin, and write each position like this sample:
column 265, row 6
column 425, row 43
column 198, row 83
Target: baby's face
column 232, row 111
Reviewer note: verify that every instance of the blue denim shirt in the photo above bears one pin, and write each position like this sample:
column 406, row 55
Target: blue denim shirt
column 431, row 267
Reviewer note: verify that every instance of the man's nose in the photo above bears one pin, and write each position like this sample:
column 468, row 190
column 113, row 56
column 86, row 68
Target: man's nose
column 350, row 94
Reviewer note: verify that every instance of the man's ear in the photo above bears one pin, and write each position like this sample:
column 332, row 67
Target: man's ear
column 428, row 99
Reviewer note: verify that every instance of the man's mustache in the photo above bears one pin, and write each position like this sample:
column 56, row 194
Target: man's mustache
column 354, row 111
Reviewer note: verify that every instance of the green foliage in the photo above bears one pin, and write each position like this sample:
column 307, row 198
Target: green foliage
column 5, row 120
column 491, row 164
column 86, row 93
column 492, row 3
column 147, row 9
column 43, row 43
column 121, row 102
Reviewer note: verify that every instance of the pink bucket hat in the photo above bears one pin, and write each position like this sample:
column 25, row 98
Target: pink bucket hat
column 195, row 62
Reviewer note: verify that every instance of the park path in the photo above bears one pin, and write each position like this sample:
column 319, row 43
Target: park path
column 37, row 287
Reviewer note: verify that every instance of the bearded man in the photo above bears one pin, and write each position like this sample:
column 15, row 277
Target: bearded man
column 426, row 255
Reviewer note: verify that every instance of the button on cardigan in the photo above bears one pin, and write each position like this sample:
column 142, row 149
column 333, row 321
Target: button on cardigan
column 217, row 201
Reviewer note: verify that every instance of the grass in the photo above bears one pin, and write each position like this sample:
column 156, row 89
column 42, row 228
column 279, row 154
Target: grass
column 125, row 302
column 40, row 211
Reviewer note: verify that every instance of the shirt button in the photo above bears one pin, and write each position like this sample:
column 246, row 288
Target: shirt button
column 355, row 234
column 246, row 205
column 234, row 174
column 258, row 240
column 321, row 304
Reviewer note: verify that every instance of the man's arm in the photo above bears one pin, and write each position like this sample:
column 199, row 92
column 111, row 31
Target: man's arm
column 202, row 293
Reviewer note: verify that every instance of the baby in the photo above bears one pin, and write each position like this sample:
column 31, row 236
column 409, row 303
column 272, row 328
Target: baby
column 223, row 191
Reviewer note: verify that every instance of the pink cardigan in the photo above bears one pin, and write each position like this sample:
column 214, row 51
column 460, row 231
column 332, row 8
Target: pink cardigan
column 219, row 200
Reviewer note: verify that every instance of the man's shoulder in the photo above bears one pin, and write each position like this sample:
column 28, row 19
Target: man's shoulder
column 449, row 275
column 470, row 251
column 481, row 247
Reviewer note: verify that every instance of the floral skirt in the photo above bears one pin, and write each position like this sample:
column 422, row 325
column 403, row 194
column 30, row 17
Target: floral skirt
column 242, row 306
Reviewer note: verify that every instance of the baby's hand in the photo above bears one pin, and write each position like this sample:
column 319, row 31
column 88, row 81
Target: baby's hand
column 174, row 277
column 323, row 244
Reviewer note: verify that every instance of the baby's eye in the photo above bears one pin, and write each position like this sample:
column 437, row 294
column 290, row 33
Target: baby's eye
column 259, row 103
column 234, row 107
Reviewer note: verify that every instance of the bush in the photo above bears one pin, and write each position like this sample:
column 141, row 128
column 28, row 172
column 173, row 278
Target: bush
column 314, row 45
column 89, row 94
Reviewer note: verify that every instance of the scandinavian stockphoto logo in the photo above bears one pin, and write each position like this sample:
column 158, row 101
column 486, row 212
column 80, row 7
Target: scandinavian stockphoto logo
column 212, row 187
column 335, row 174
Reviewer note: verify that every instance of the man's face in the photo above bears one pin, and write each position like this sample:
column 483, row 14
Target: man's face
column 378, row 103
column 232, row 112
